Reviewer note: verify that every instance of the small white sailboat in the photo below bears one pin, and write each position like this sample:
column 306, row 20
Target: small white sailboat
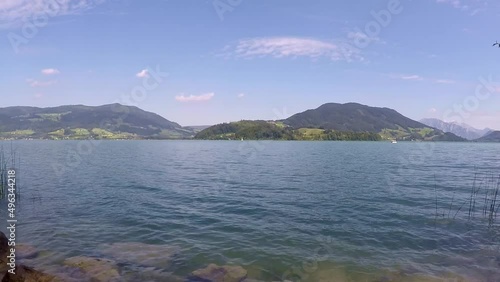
column 394, row 142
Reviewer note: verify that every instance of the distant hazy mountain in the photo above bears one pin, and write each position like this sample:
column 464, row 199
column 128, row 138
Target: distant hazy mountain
column 493, row 136
column 197, row 128
column 113, row 121
column 489, row 131
column 460, row 129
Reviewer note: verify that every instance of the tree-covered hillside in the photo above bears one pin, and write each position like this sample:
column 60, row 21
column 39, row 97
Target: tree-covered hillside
column 269, row 130
column 112, row 121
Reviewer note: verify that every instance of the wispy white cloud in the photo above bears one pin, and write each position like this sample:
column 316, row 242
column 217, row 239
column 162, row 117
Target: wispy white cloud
column 14, row 12
column 358, row 36
column 455, row 3
column 445, row 81
column 414, row 77
column 195, row 98
column 472, row 7
column 241, row 95
column 50, row 71
column 282, row 47
column 142, row 73
column 36, row 83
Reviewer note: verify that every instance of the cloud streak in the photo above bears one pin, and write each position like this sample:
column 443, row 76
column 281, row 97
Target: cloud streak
column 294, row 47
column 410, row 77
column 416, row 77
column 445, row 81
column 36, row 83
column 13, row 12
column 194, row 98
column 472, row 7
column 50, row 71
column 455, row 3
column 142, row 73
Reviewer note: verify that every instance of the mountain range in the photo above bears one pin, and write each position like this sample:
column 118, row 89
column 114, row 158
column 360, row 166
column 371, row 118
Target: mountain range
column 460, row 129
column 331, row 121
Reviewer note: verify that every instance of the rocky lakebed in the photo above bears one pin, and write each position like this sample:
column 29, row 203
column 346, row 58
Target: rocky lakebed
column 144, row 262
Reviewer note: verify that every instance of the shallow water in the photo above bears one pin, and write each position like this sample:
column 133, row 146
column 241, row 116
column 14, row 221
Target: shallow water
column 279, row 209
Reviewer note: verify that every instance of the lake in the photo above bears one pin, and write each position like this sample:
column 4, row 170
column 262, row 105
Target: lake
column 309, row 211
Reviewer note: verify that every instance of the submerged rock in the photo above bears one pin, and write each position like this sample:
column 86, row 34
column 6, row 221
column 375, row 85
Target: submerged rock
column 330, row 275
column 22, row 273
column 215, row 273
column 28, row 274
column 68, row 273
column 400, row 276
column 26, row 252
column 102, row 270
column 150, row 275
column 142, row 254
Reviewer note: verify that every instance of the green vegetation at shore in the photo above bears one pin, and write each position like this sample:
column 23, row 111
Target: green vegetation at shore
column 270, row 130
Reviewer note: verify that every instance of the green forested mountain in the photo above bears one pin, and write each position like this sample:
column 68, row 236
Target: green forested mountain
column 246, row 129
column 361, row 118
column 352, row 117
column 112, row 121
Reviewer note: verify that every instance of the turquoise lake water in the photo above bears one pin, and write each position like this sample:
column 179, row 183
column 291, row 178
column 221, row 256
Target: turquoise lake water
column 282, row 210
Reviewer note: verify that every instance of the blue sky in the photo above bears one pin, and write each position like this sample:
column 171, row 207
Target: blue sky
column 204, row 62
